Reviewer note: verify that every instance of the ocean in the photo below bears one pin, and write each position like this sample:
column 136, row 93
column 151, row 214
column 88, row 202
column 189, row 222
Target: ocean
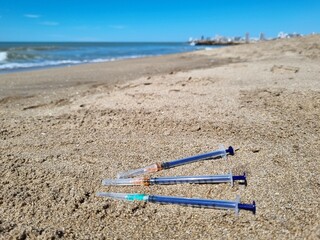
column 21, row 56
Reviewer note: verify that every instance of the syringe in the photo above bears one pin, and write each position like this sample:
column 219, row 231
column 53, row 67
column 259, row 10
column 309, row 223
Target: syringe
column 193, row 202
column 221, row 153
column 146, row 181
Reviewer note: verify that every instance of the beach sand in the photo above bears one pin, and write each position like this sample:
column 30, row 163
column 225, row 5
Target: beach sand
column 63, row 130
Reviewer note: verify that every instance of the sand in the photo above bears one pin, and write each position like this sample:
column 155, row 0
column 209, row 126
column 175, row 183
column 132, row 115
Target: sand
column 63, row 130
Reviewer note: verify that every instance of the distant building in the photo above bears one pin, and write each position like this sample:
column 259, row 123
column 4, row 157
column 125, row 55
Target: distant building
column 282, row 35
column 247, row 37
column 237, row 39
column 288, row 35
column 293, row 35
column 262, row 37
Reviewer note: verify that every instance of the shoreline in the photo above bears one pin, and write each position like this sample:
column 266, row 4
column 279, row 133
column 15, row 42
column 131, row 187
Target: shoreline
column 12, row 67
column 31, row 69
column 22, row 82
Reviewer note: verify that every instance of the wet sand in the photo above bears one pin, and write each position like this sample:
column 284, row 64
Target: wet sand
column 63, row 130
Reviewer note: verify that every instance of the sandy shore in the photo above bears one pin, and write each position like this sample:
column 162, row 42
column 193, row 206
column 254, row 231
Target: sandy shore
column 64, row 130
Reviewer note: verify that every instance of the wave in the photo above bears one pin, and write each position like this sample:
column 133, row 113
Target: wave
column 10, row 66
column 35, row 48
column 15, row 56
column 16, row 65
column 3, row 56
column 98, row 60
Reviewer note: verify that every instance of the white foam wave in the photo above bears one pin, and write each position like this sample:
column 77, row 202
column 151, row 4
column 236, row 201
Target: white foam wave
column 99, row 60
column 3, row 56
column 15, row 65
column 9, row 66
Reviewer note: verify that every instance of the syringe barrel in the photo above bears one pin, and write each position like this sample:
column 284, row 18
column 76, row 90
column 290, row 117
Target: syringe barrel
column 215, row 154
column 192, row 179
column 194, row 202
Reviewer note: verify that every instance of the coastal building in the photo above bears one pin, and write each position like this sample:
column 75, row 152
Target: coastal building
column 247, row 38
column 222, row 40
column 288, row 35
column 262, row 37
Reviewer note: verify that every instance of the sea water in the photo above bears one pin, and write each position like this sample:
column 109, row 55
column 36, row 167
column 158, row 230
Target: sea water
column 28, row 55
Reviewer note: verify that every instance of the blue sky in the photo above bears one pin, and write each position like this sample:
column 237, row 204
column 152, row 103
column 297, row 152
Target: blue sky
column 152, row 20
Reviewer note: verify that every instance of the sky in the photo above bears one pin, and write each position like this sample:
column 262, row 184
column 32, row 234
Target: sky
column 153, row 20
